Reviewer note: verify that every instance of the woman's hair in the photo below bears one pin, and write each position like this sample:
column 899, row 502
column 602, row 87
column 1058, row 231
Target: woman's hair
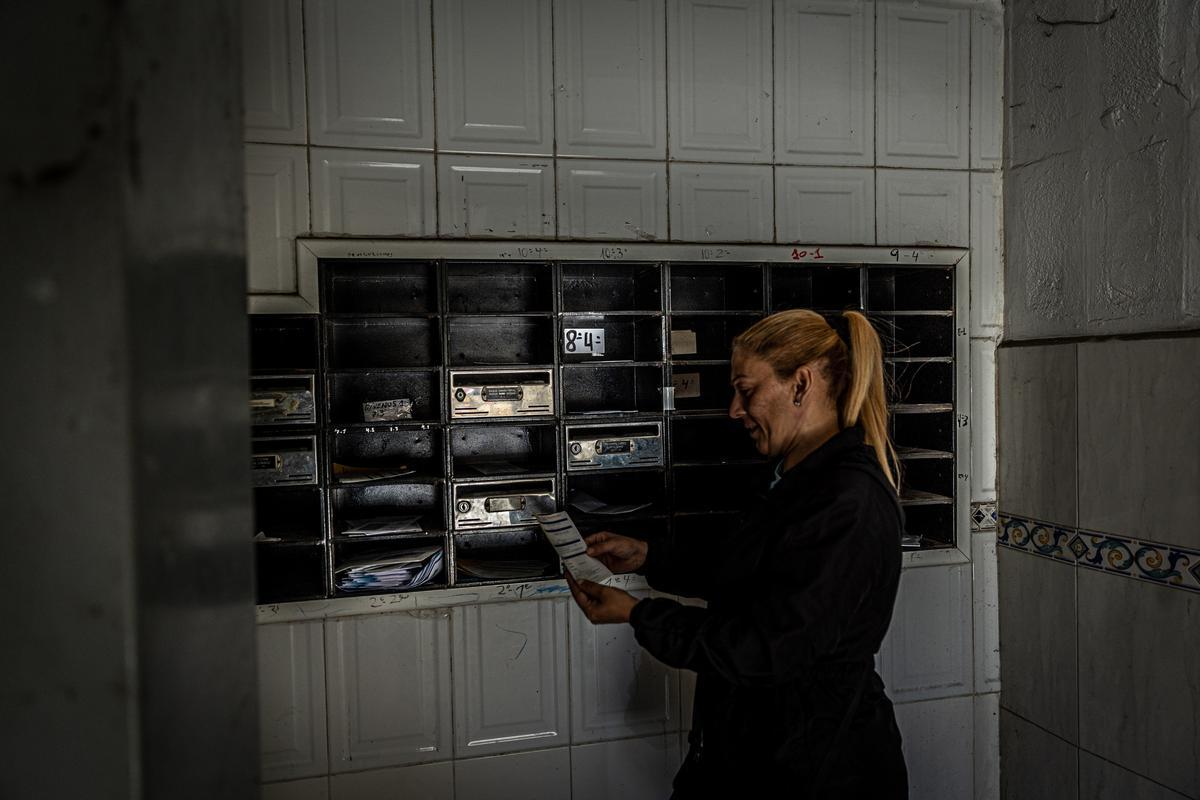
column 790, row 339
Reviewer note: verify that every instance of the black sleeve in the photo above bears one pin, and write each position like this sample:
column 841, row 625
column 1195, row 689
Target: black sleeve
column 817, row 579
column 685, row 568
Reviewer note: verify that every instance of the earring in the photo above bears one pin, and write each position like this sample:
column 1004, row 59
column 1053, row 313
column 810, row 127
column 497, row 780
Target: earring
column 798, row 401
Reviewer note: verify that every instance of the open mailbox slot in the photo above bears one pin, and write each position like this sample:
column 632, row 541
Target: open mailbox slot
column 501, row 504
column 480, row 451
column 283, row 400
column 710, row 440
column 283, row 460
column 602, row 389
column 501, row 556
column 501, row 393
column 616, row 446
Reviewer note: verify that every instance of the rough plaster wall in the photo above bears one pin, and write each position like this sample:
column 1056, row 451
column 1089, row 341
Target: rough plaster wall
column 1103, row 185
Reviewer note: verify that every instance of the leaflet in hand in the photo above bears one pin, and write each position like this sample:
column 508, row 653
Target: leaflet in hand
column 561, row 532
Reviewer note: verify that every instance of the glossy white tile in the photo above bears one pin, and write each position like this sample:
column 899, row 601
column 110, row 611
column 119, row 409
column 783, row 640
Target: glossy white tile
column 987, row 260
column 605, row 199
column 373, row 192
column 927, row 652
column 631, row 769
column 987, row 611
column 305, row 789
column 370, row 68
column 276, row 213
column 987, row 746
column 273, row 71
column 922, row 207
column 510, row 677
column 518, row 776
column 983, row 420
column 938, row 736
column 617, row 688
column 923, row 86
column 1035, row 764
column 722, row 203
column 291, row 701
column 987, row 89
column 610, row 68
column 825, row 205
column 721, row 105
column 495, row 197
column 494, row 76
column 419, row 782
column 824, row 82
column 389, row 689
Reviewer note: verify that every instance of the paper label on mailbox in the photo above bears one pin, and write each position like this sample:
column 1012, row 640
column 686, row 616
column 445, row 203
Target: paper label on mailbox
column 559, row 529
column 583, row 341
column 686, row 384
column 683, row 343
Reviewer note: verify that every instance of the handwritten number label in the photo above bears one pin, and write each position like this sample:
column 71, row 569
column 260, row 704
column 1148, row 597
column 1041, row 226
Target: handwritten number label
column 806, row 255
column 583, row 341
column 898, row 254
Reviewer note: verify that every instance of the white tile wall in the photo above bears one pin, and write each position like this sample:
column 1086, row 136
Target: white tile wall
column 631, row 769
column 721, row 83
column 495, row 197
column 824, row 76
column 518, row 776
column 494, row 76
column 291, row 700
column 373, row 192
column 987, row 746
column 825, row 205
column 306, row 789
column 277, row 212
column 721, row 203
column 370, row 66
column 420, row 782
column 606, row 199
column 923, row 86
column 938, row 738
column 987, row 259
column 987, row 611
column 510, row 677
column 273, row 66
column 389, row 689
column 987, row 89
column 983, row 420
column 618, row 690
column 610, row 68
column 922, row 207
column 927, row 652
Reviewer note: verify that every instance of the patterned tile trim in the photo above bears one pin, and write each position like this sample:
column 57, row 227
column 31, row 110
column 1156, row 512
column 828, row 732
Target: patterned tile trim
column 983, row 517
column 1168, row 565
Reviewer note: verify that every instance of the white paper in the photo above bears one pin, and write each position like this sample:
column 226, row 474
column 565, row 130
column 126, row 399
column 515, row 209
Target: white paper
column 683, row 343
column 559, row 529
column 591, row 505
column 379, row 526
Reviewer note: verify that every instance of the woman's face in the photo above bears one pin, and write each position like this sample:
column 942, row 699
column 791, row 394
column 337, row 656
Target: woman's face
column 764, row 404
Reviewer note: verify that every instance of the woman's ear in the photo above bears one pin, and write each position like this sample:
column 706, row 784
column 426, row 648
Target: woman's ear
column 801, row 381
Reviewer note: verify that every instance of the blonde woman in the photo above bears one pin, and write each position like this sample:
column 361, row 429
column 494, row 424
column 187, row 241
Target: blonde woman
column 800, row 595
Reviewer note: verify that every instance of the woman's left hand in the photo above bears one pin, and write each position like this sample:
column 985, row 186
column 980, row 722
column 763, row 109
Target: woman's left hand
column 602, row 604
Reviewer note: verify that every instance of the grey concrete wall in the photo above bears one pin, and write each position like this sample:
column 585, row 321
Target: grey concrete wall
column 130, row 672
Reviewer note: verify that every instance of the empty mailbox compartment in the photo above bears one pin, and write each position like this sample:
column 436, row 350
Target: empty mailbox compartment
column 927, row 481
column 283, row 399
column 622, row 495
column 283, row 343
column 508, row 450
column 283, row 460
column 415, row 449
column 913, row 428
column 710, row 440
column 701, row 387
column 920, row 382
column 504, row 556
column 499, row 287
column 383, row 509
column 501, row 504
column 822, row 288
column 910, row 288
column 289, row 514
column 611, row 287
column 615, row 446
column 500, row 341
column 288, row 572
column 351, row 393
column 625, row 338
column 716, row 287
column 381, row 342
column 713, row 336
column 501, row 393
column 380, row 287
column 597, row 389
column 706, row 489
column 933, row 523
column 916, row 335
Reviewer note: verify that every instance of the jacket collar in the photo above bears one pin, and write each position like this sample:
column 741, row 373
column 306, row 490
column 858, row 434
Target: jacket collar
column 835, row 449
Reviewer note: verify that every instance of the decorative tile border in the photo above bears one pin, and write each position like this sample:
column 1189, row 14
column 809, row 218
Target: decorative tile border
column 1168, row 565
column 983, row 517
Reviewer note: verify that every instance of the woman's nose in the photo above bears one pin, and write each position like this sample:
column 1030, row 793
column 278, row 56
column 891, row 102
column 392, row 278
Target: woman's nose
column 735, row 408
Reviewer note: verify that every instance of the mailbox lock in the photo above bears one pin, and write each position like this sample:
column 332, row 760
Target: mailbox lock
column 576, row 448
column 463, row 505
column 460, row 395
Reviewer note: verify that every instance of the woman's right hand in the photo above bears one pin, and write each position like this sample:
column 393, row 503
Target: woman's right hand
column 618, row 553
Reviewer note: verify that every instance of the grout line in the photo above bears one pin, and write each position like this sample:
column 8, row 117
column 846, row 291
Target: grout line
column 1186, row 333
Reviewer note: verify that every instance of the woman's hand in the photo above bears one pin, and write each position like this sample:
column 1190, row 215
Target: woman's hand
column 618, row 553
column 602, row 604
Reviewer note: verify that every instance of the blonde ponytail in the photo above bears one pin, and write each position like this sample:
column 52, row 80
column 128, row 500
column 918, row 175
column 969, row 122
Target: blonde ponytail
column 790, row 339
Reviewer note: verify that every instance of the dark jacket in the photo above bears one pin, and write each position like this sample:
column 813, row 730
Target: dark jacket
column 799, row 597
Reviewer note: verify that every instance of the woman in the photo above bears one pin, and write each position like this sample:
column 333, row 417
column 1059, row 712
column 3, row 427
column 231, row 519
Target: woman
column 800, row 596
